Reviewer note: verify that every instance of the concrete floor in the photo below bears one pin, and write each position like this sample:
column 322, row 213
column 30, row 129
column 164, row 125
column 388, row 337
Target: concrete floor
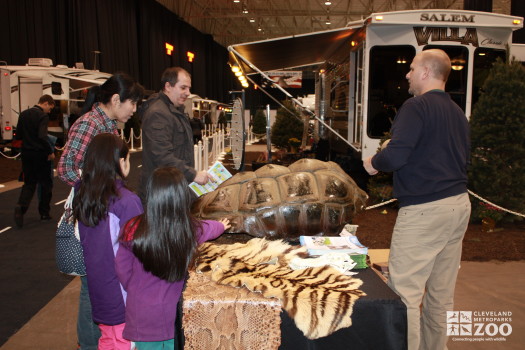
column 481, row 287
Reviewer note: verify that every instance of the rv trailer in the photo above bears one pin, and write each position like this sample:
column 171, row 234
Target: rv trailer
column 21, row 86
column 517, row 52
column 361, row 69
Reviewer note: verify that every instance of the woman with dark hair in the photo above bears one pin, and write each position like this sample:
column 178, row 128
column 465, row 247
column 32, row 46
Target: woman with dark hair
column 156, row 250
column 102, row 205
column 115, row 100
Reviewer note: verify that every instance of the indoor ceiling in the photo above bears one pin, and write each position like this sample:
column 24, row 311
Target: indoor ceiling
column 239, row 21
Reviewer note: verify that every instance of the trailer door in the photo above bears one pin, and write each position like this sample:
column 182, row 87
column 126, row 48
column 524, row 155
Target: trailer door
column 29, row 91
column 388, row 86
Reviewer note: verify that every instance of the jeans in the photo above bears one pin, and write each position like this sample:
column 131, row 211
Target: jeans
column 88, row 332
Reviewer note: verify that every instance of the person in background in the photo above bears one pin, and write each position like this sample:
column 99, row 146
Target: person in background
column 196, row 127
column 102, row 205
column 37, row 157
column 115, row 100
column 167, row 139
column 156, row 249
column 428, row 153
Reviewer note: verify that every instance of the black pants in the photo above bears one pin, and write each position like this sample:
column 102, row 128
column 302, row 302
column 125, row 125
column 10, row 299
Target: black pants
column 37, row 171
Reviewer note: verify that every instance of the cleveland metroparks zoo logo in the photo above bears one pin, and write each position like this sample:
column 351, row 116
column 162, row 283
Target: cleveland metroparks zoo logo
column 479, row 325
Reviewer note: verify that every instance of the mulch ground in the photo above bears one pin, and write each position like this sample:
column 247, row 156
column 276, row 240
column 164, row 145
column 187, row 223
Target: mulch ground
column 505, row 244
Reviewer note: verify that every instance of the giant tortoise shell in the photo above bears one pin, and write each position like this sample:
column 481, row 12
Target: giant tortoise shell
column 309, row 197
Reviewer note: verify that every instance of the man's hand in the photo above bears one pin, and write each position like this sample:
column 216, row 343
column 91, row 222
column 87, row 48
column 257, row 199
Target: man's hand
column 367, row 164
column 202, row 177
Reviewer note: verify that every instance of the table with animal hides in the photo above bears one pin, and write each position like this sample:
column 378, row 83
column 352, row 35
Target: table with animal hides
column 243, row 296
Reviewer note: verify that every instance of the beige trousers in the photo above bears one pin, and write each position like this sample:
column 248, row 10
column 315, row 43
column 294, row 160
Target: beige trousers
column 425, row 254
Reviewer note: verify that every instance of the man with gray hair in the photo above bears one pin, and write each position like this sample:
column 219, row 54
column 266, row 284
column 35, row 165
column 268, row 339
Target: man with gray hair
column 428, row 153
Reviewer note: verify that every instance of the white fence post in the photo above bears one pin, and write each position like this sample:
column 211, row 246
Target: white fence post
column 197, row 156
column 131, row 137
column 221, row 140
column 205, row 153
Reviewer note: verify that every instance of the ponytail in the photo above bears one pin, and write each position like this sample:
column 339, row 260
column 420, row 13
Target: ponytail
column 91, row 98
column 119, row 83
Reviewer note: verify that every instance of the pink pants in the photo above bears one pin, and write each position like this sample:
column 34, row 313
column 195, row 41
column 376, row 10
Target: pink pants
column 111, row 338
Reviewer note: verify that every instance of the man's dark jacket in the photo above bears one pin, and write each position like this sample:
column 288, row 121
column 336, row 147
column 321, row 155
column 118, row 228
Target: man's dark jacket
column 167, row 139
column 32, row 130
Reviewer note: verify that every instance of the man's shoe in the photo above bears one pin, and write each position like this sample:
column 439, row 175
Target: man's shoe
column 19, row 217
column 45, row 217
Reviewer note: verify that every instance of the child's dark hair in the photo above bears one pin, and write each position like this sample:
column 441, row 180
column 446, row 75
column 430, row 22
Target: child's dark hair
column 165, row 240
column 99, row 173
column 119, row 83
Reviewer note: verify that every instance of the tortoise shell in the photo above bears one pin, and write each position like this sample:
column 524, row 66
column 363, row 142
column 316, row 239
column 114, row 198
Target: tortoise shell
column 308, row 198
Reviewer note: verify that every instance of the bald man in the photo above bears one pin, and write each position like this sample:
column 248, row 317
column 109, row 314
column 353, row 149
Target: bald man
column 428, row 153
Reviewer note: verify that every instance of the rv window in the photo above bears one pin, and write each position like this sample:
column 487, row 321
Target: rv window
column 56, row 88
column 457, row 80
column 388, row 87
column 484, row 58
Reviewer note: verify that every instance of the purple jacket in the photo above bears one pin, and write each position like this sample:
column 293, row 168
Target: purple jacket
column 151, row 305
column 100, row 244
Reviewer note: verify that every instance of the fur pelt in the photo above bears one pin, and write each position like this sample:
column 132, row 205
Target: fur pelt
column 320, row 299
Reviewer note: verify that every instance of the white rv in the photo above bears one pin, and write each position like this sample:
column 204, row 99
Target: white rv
column 21, row 86
column 360, row 69
column 518, row 52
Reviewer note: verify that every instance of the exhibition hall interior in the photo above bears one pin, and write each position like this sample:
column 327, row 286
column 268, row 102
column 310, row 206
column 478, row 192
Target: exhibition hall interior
column 312, row 175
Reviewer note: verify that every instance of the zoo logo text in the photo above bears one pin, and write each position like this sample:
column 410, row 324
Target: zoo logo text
column 479, row 325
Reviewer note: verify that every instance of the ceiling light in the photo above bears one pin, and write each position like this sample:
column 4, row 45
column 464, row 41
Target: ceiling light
column 252, row 20
column 457, row 63
column 328, row 20
column 328, row 3
column 259, row 29
column 236, row 1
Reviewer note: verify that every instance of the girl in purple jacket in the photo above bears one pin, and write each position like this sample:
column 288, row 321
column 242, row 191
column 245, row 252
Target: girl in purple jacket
column 156, row 250
column 102, row 205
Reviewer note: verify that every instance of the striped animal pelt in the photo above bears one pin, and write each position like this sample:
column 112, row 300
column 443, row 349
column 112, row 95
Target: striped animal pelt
column 320, row 300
